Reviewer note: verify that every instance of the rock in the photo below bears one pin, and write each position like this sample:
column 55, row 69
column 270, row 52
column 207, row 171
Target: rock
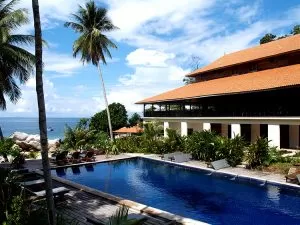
column 20, row 136
column 33, row 138
column 35, row 145
column 32, row 142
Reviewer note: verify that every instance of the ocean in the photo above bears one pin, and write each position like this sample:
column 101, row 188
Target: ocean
column 10, row 125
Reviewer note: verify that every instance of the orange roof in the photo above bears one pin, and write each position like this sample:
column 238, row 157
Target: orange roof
column 273, row 48
column 256, row 81
column 133, row 130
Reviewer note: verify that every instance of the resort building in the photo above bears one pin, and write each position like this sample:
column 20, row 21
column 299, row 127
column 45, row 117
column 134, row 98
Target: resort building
column 253, row 92
column 127, row 131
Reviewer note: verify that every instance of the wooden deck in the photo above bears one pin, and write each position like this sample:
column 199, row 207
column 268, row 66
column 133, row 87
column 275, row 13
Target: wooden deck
column 88, row 209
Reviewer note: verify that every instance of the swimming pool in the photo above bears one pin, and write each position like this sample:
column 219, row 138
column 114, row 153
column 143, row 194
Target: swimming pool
column 190, row 193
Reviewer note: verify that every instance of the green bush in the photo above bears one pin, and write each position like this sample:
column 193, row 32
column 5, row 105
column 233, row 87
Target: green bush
column 203, row 145
column 258, row 153
column 234, row 150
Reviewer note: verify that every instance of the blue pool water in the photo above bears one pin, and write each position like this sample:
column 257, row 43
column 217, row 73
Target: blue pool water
column 190, row 193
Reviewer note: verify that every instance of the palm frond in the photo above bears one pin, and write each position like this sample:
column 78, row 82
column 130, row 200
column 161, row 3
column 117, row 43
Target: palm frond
column 92, row 21
column 20, row 39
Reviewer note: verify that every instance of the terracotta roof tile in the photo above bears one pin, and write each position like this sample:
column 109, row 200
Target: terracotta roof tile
column 256, row 81
column 273, row 48
column 133, row 130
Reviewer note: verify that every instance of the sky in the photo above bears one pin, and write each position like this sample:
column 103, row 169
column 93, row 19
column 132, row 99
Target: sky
column 156, row 41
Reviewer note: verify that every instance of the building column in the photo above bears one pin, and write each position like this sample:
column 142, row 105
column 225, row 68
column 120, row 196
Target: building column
column 224, row 130
column 184, row 129
column 235, row 130
column 255, row 132
column 294, row 136
column 206, row 126
column 274, row 135
column 166, row 126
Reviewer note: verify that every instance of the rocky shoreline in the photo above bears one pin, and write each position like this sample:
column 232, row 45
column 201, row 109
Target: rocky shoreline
column 29, row 142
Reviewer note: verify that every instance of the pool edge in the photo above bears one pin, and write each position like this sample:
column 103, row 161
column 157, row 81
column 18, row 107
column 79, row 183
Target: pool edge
column 141, row 208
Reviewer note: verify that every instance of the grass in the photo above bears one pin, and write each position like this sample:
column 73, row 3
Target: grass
column 280, row 167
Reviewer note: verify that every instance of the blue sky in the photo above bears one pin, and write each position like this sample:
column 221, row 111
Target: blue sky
column 156, row 41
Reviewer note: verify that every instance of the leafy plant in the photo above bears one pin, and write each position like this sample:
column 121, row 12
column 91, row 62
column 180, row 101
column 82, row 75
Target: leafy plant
column 121, row 218
column 234, row 150
column 258, row 153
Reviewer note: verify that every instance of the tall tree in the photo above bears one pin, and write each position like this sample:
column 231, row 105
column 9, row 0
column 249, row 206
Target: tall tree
column 267, row 38
column 296, row 30
column 134, row 119
column 91, row 22
column 16, row 64
column 42, row 111
column 118, row 119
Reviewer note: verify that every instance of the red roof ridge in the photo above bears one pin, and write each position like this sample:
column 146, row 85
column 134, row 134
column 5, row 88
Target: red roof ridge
column 273, row 48
column 250, row 82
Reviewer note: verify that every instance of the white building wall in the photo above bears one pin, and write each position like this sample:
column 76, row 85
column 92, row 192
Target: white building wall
column 166, row 126
column 206, row 126
column 235, row 130
column 184, row 128
column 196, row 126
column 294, row 136
column 274, row 135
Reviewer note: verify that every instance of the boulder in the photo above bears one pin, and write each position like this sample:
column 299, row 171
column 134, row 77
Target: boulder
column 19, row 136
column 32, row 142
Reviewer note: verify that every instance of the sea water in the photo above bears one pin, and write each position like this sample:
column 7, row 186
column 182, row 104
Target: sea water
column 10, row 125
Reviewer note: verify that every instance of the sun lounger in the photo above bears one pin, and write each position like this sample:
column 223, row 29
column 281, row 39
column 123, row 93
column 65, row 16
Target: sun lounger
column 179, row 158
column 76, row 158
column 20, row 171
column 170, row 156
column 32, row 182
column 220, row 164
column 89, row 157
column 60, row 191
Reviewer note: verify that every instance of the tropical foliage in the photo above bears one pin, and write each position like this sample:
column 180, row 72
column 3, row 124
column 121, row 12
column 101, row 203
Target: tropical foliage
column 121, row 218
column 16, row 63
column 134, row 119
column 91, row 22
column 118, row 118
column 272, row 37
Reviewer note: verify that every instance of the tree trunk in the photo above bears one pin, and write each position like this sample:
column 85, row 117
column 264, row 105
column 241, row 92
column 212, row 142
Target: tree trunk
column 106, row 104
column 42, row 112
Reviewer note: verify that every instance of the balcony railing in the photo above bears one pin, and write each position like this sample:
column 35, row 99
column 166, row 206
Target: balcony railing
column 178, row 113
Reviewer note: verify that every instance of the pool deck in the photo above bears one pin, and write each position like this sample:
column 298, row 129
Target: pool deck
column 84, row 202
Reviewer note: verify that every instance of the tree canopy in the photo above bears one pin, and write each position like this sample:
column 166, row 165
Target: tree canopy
column 272, row 37
column 16, row 64
column 134, row 119
column 118, row 118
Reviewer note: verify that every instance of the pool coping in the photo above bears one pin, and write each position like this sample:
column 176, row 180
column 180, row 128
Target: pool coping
column 235, row 175
column 151, row 211
column 141, row 208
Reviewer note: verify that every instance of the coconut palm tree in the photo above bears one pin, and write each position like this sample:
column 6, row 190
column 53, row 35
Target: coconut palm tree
column 16, row 64
column 93, row 45
column 42, row 111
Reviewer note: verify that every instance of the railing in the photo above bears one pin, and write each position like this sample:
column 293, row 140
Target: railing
column 178, row 113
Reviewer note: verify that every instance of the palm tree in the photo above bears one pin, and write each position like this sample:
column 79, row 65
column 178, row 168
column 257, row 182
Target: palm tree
column 42, row 111
column 91, row 22
column 16, row 64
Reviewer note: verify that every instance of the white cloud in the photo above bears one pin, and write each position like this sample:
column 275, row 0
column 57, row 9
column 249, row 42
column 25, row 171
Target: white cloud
column 61, row 64
column 148, row 58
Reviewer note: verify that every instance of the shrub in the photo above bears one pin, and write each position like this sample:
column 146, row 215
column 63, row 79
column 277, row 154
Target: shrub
column 258, row 153
column 174, row 142
column 234, row 150
column 202, row 145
